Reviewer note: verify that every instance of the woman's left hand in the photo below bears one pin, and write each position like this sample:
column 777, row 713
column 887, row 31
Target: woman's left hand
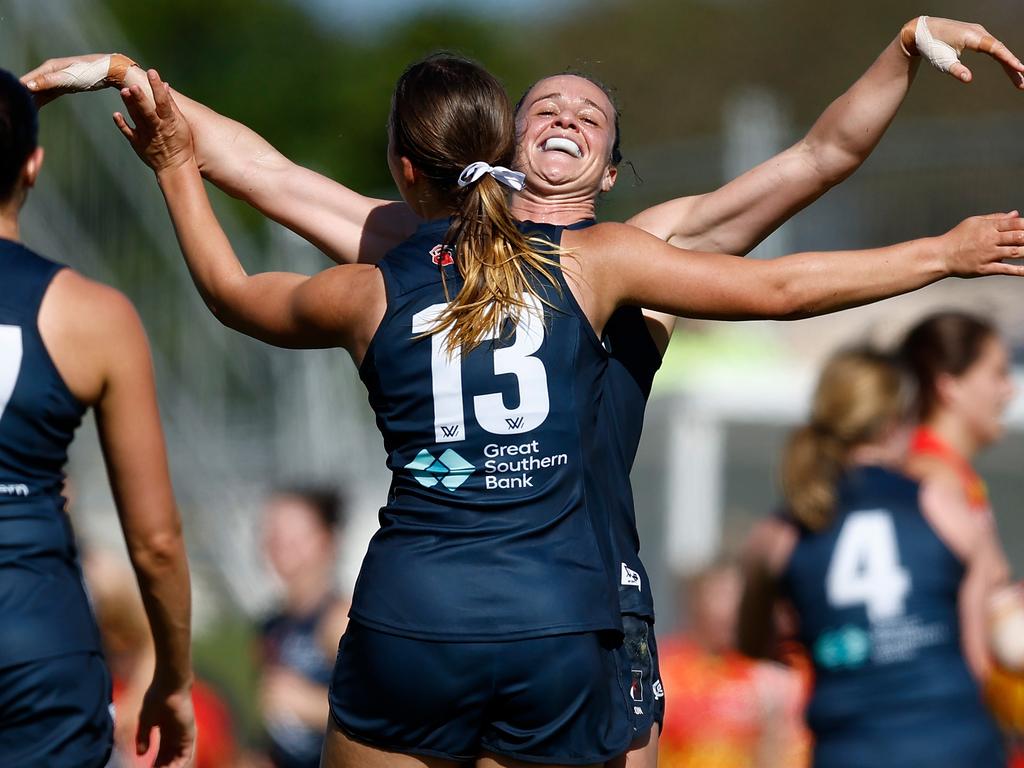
column 947, row 39
column 161, row 136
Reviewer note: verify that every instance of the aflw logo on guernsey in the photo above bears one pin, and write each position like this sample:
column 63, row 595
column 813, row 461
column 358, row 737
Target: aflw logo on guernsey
column 442, row 255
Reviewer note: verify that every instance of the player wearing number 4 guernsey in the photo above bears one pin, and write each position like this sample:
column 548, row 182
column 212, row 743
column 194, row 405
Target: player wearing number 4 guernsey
column 67, row 343
column 888, row 579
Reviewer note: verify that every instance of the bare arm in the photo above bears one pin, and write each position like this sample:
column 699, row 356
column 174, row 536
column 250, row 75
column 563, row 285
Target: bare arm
column 280, row 308
column 974, row 540
column 347, row 226
column 734, row 218
column 623, row 265
column 765, row 555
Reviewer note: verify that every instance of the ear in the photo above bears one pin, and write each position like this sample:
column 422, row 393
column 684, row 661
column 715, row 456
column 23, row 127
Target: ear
column 30, row 170
column 611, row 173
column 409, row 174
column 947, row 387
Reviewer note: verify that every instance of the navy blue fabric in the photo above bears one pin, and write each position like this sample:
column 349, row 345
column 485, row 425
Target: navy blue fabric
column 550, row 700
column 897, row 686
column 640, row 674
column 633, row 361
column 291, row 642
column 43, row 607
column 55, row 713
column 497, row 532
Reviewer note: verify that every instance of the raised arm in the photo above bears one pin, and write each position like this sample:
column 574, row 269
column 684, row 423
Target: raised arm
column 734, row 218
column 623, row 265
column 345, row 225
column 280, row 308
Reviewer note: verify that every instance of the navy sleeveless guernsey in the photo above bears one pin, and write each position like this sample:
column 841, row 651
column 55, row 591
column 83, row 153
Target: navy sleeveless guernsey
column 876, row 594
column 633, row 361
column 495, row 526
column 43, row 607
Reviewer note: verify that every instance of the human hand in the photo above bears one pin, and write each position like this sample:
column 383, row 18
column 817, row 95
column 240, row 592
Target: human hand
column 943, row 41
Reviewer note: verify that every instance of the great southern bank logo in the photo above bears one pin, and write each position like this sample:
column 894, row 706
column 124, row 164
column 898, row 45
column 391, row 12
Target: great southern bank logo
column 450, row 469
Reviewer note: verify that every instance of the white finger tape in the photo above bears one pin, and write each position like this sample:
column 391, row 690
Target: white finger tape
column 87, row 76
column 941, row 55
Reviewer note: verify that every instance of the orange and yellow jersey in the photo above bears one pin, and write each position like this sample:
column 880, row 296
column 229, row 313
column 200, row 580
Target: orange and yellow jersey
column 926, row 442
column 722, row 710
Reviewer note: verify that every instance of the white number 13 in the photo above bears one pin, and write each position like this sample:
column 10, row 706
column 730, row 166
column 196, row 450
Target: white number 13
column 516, row 359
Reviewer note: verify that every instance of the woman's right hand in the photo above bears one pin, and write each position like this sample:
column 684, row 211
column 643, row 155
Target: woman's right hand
column 979, row 245
column 161, row 136
column 170, row 711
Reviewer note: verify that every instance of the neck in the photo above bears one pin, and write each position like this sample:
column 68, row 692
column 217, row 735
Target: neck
column 307, row 590
column 9, row 226
column 953, row 433
column 561, row 211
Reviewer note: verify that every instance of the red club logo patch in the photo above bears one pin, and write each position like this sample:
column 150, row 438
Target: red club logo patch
column 442, row 255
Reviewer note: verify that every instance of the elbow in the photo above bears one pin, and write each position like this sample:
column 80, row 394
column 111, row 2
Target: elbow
column 832, row 162
column 787, row 302
column 159, row 552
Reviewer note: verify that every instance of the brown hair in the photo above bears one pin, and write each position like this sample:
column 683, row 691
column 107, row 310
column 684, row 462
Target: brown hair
column 446, row 113
column 861, row 394
column 943, row 343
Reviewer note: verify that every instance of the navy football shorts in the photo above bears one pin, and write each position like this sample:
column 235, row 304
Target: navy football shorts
column 55, row 712
column 547, row 700
column 637, row 660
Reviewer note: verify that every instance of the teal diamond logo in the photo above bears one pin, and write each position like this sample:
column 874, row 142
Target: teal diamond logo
column 449, row 469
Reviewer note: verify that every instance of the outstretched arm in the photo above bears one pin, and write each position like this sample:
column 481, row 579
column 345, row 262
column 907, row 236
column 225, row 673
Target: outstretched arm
column 284, row 309
column 347, row 226
column 624, row 265
column 734, row 218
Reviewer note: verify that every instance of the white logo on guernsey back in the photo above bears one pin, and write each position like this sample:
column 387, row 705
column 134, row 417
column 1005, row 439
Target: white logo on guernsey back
column 18, row 489
column 514, row 466
column 659, row 690
column 631, row 578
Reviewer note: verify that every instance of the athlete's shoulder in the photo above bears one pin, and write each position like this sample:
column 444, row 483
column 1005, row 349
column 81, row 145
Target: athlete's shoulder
column 85, row 306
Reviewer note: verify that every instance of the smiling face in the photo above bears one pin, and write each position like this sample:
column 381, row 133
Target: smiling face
column 566, row 132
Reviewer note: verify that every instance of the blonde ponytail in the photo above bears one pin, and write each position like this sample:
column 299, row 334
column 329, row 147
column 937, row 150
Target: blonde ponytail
column 860, row 395
column 499, row 266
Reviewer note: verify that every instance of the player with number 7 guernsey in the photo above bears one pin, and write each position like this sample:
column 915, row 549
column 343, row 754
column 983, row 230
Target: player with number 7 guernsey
column 487, row 603
column 887, row 578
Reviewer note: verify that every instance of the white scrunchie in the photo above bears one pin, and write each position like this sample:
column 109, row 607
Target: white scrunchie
column 475, row 171
column 941, row 55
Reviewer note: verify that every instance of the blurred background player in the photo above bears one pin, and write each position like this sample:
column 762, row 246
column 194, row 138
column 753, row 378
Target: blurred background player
column 962, row 368
column 889, row 580
column 128, row 648
column 299, row 641
column 68, row 343
column 726, row 710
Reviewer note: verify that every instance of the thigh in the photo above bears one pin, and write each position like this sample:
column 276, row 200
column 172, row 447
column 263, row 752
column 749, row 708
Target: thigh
column 341, row 751
column 411, row 696
column 56, row 712
column 642, row 753
column 558, row 702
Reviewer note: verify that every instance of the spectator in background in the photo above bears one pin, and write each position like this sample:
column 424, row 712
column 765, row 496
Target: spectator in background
column 128, row 648
column 725, row 710
column 299, row 641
